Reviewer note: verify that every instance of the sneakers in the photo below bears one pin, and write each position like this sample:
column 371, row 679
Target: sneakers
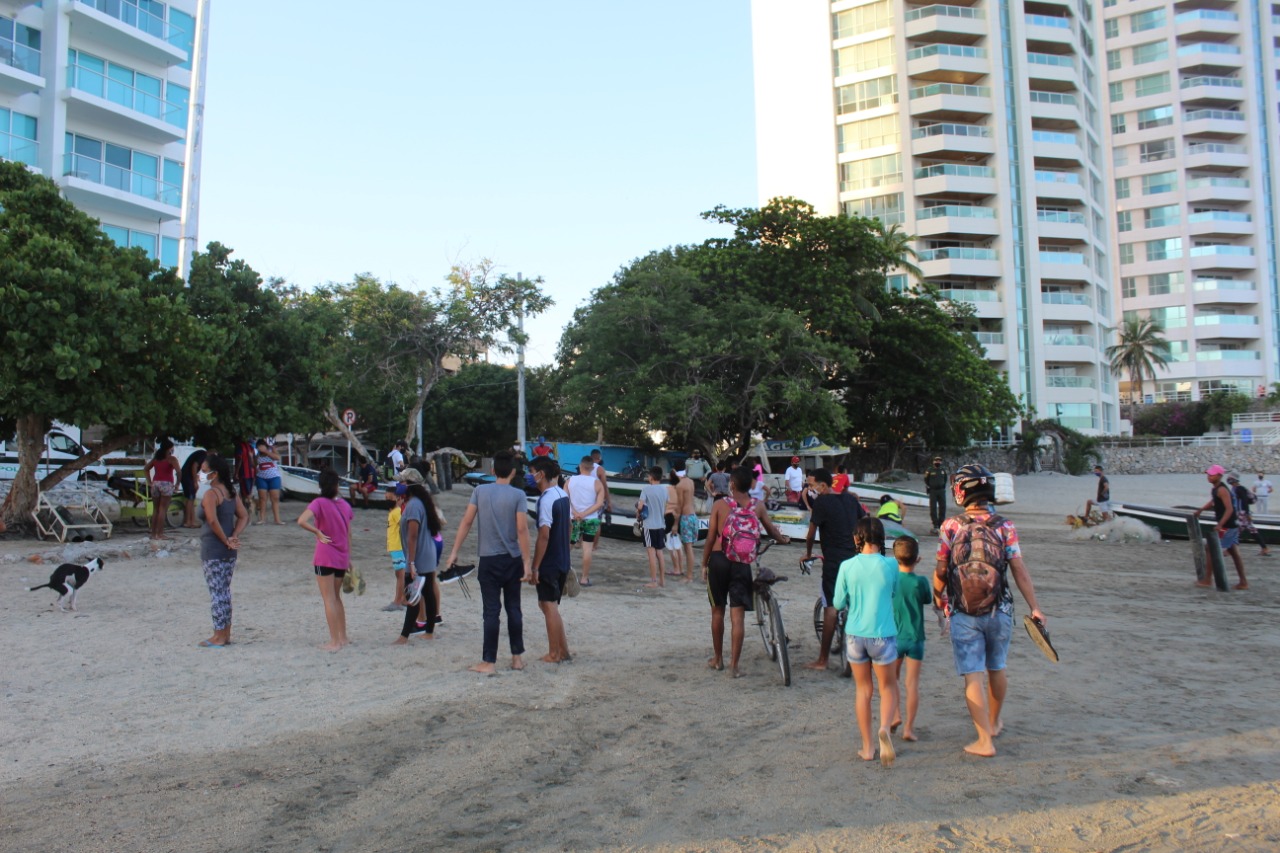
column 393, row 607
column 456, row 572
column 413, row 593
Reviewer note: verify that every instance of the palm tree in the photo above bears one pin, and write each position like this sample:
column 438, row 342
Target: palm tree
column 897, row 245
column 1140, row 350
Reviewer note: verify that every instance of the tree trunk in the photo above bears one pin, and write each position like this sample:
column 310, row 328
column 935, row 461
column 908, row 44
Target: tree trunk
column 96, row 452
column 331, row 413
column 428, row 382
column 24, row 491
column 446, row 452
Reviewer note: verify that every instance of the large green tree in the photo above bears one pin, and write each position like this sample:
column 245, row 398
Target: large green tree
column 92, row 334
column 1139, row 350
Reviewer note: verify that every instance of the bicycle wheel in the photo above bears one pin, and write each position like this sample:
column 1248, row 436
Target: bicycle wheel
column 838, row 646
column 174, row 515
column 780, row 642
column 762, row 609
column 817, row 619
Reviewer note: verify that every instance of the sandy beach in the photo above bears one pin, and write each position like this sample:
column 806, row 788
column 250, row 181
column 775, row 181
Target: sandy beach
column 1157, row 731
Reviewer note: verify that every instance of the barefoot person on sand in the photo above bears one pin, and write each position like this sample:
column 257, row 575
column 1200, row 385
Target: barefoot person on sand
column 1228, row 526
column 551, row 554
column 328, row 518
column 505, row 559
column 976, row 550
column 732, row 537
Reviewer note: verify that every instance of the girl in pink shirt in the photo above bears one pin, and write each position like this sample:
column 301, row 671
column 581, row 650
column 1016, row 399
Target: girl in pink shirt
column 329, row 517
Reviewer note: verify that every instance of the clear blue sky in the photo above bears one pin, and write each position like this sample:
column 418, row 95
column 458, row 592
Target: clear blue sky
column 560, row 139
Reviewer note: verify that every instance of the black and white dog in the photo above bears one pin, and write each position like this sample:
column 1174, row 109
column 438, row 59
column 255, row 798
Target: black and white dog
column 67, row 580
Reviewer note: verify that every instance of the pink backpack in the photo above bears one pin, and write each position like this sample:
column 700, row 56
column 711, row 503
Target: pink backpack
column 741, row 533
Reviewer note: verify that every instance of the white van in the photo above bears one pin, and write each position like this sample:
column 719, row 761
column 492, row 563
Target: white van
column 61, row 445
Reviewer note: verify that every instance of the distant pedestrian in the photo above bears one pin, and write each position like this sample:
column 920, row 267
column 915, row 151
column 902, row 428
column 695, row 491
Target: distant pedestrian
column 794, row 478
column 506, row 559
column 190, row 482
column 697, row 469
column 914, row 593
column 551, row 555
column 839, row 480
column 328, row 518
column 419, row 524
column 224, row 520
column 936, row 481
column 1222, row 502
column 395, row 546
column 1244, row 503
column 652, row 505
column 367, row 483
column 586, row 501
column 606, row 515
column 162, row 474
column 267, row 479
column 831, row 524
column 1102, row 500
column 1261, row 492
column 718, row 482
column 686, row 521
column 246, row 466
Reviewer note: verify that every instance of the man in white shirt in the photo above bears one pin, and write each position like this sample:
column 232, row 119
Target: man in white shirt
column 794, row 477
column 1261, row 491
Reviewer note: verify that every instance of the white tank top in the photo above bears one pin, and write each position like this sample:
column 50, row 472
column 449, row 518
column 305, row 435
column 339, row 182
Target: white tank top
column 582, row 491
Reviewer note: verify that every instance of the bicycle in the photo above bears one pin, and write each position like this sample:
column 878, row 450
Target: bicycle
column 837, row 638
column 768, row 610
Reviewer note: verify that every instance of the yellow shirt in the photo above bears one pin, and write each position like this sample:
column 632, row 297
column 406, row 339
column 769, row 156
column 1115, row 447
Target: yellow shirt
column 393, row 530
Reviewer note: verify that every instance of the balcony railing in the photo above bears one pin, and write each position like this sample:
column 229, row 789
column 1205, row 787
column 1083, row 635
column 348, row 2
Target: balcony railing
column 963, row 51
column 1219, row 216
column 1209, row 251
column 1059, row 60
column 1049, row 177
column 1060, row 216
column 1226, row 320
column 945, row 11
column 1206, row 80
column 1049, row 21
column 1206, row 15
column 1208, row 47
column 1228, row 183
column 1054, row 98
column 18, row 148
column 948, row 129
column 20, row 56
column 1062, row 340
column 1216, row 148
column 1054, row 137
column 1062, row 258
column 1228, row 355
column 1203, row 284
column 969, row 295
column 957, row 170
column 1068, row 382
column 1058, row 297
column 1216, row 115
column 959, row 253
column 129, row 97
column 134, row 183
column 951, row 89
column 989, row 338
column 941, row 210
column 128, row 12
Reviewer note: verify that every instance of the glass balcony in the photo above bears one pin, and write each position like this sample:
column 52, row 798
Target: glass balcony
column 1226, row 320
column 1059, row 60
column 1206, row 15
column 1219, row 216
column 1228, row 355
column 129, row 97
column 1054, row 137
column 951, row 89
column 128, row 12
column 959, row 253
column 1203, row 284
column 947, row 129
column 958, row 170
column 1216, row 148
column 1039, row 97
column 1049, row 21
column 1060, row 216
column 1062, row 258
column 1208, row 47
column 1059, row 297
column 947, row 50
column 1051, row 177
column 20, row 56
column 989, row 338
column 1064, row 340
column 947, row 11
column 18, row 148
column 115, row 177
column 1209, row 251
column 1217, row 115
column 1069, row 382
column 1232, row 183
column 963, row 295
column 1204, row 80
column 955, row 210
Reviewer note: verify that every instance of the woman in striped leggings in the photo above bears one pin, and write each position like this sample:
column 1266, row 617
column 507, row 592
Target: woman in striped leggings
column 224, row 518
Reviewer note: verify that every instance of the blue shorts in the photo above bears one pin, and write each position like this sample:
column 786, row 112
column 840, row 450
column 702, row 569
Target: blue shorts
column 270, row 484
column 881, row 651
column 398, row 563
column 980, row 643
column 1230, row 538
column 915, row 650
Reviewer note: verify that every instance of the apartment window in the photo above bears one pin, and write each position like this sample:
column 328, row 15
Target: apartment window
column 1122, row 188
column 1164, row 250
column 1111, row 27
column 870, row 133
column 1152, row 84
column 18, row 137
column 864, row 57
column 1159, row 217
column 124, row 86
column 1115, row 91
column 1126, row 253
column 867, row 95
column 129, row 239
column 1149, row 20
column 1160, row 149
column 888, row 209
column 1113, row 60
column 116, row 166
column 1178, row 351
column 1095, row 186
column 872, row 172
column 1155, row 117
column 1162, row 284
column 863, row 19
column 1128, row 287
column 20, row 46
column 1171, row 317
column 1124, row 220
column 1154, row 51
column 1159, row 182
column 1117, row 123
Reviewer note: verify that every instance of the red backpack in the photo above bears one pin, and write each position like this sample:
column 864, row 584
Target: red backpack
column 741, row 532
column 976, row 570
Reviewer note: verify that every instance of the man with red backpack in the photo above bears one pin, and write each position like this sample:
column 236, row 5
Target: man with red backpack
column 732, row 537
column 976, row 551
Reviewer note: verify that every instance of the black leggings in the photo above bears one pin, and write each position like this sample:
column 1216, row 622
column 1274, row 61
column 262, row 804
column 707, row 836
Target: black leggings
column 428, row 598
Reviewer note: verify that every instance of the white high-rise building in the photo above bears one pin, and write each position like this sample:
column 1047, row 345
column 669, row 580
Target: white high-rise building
column 981, row 127
column 106, row 98
column 1192, row 104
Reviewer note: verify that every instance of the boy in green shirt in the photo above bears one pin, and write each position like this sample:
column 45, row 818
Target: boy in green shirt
column 909, row 600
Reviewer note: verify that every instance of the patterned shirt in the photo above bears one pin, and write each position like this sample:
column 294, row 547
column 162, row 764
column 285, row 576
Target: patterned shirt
column 1008, row 534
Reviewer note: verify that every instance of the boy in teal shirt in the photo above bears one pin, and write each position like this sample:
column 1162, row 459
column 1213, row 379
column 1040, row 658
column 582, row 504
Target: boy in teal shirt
column 909, row 600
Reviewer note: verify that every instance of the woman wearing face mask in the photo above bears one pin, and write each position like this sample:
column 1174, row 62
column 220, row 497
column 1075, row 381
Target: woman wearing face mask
column 224, row 519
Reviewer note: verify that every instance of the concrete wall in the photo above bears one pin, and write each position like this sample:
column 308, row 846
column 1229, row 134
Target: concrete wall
column 1244, row 458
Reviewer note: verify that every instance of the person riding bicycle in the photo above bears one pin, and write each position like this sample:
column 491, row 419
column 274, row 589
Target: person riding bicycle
column 733, row 535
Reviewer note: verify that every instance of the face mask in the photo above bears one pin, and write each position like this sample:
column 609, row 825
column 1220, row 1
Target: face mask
column 937, row 465
column 203, row 478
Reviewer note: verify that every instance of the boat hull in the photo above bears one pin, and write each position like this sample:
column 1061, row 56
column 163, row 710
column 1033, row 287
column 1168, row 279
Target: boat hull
column 1171, row 522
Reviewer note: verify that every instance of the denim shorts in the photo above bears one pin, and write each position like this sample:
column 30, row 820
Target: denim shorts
column 267, row 484
column 1230, row 538
column 980, row 643
column 881, row 651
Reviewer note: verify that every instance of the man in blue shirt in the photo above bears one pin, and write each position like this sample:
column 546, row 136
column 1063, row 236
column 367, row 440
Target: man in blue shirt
column 551, row 553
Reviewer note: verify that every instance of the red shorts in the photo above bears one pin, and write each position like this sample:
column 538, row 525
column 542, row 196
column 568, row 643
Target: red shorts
column 367, row 488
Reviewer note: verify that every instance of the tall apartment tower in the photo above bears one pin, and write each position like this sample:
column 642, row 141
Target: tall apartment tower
column 976, row 126
column 1194, row 117
column 106, row 98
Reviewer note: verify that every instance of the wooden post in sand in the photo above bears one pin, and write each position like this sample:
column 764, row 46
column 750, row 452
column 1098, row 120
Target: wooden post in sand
column 1197, row 546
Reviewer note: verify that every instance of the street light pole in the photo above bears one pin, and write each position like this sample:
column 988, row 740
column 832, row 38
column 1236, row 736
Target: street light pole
column 520, row 418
